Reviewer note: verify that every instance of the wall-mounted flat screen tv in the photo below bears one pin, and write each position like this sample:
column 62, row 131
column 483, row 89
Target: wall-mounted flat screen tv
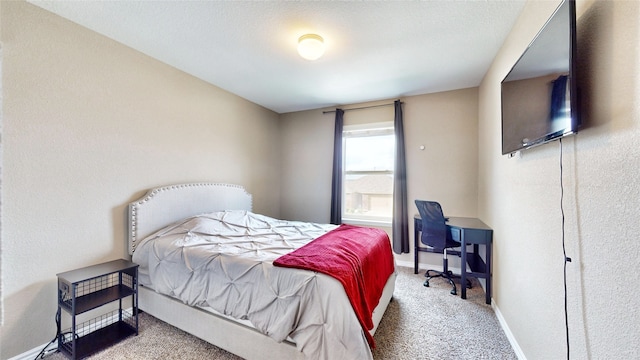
column 539, row 94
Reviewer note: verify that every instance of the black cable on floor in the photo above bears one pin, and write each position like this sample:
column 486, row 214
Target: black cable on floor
column 566, row 259
column 43, row 352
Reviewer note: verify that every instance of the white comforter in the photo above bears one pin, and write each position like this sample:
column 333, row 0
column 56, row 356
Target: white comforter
column 223, row 260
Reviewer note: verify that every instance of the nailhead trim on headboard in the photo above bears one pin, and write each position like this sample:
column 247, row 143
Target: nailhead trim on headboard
column 151, row 194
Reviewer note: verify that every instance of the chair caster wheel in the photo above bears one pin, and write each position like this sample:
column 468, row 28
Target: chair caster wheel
column 426, row 283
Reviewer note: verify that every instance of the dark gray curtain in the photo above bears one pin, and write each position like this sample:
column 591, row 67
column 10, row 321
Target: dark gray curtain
column 400, row 222
column 336, row 180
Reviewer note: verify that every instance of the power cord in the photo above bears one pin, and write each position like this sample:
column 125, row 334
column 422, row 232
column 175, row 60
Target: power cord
column 564, row 252
column 44, row 352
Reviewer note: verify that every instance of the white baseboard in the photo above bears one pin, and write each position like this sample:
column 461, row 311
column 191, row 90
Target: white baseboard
column 31, row 354
column 507, row 331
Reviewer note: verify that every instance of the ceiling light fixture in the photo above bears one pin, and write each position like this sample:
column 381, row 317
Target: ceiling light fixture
column 310, row 46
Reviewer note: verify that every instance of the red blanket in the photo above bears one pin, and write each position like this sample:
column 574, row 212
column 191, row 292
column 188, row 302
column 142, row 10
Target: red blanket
column 360, row 258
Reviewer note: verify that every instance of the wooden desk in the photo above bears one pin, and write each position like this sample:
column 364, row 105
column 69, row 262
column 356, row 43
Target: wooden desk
column 467, row 231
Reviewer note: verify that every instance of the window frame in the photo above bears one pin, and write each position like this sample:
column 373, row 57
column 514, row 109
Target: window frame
column 364, row 130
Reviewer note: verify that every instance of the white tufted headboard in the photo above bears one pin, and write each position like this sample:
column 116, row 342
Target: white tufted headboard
column 164, row 205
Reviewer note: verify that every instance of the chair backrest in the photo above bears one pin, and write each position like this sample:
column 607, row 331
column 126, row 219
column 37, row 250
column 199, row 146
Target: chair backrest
column 434, row 227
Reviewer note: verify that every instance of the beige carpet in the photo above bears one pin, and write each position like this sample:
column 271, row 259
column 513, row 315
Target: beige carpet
column 420, row 323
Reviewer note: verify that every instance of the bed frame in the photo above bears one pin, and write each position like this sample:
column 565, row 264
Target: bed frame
column 165, row 205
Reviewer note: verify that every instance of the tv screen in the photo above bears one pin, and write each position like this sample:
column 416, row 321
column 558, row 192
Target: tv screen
column 539, row 96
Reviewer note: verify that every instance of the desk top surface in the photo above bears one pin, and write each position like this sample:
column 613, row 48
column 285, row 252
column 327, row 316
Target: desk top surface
column 463, row 222
column 467, row 223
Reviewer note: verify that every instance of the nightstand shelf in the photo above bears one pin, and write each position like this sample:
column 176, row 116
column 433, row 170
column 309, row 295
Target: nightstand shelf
column 98, row 298
column 90, row 288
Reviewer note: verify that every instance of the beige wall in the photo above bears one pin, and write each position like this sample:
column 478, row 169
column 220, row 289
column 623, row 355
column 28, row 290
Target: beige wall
column 306, row 158
column 445, row 171
column 520, row 197
column 88, row 125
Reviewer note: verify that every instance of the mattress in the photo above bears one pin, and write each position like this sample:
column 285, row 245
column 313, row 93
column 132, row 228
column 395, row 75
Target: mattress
column 224, row 261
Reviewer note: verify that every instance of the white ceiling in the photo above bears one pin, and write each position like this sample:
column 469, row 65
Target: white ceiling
column 375, row 50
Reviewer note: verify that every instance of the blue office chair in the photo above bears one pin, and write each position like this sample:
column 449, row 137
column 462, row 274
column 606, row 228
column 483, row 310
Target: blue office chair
column 436, row 236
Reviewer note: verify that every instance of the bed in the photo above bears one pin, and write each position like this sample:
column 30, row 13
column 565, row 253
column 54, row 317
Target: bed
column 164, row 212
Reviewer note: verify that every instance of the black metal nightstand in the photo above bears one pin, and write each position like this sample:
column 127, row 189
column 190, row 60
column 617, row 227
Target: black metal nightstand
column 85, row 289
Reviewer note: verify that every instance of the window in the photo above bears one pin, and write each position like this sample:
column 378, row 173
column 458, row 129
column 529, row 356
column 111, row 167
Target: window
column 369, row 152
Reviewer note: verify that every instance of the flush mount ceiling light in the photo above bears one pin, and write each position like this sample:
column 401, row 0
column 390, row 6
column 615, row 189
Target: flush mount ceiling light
column 310, row 46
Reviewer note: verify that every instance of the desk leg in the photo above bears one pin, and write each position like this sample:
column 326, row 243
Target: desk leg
column 463, row 267
column 488, row 273
column 415, row 249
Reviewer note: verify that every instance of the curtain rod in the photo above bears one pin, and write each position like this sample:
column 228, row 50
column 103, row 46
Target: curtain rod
column 360, row 108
